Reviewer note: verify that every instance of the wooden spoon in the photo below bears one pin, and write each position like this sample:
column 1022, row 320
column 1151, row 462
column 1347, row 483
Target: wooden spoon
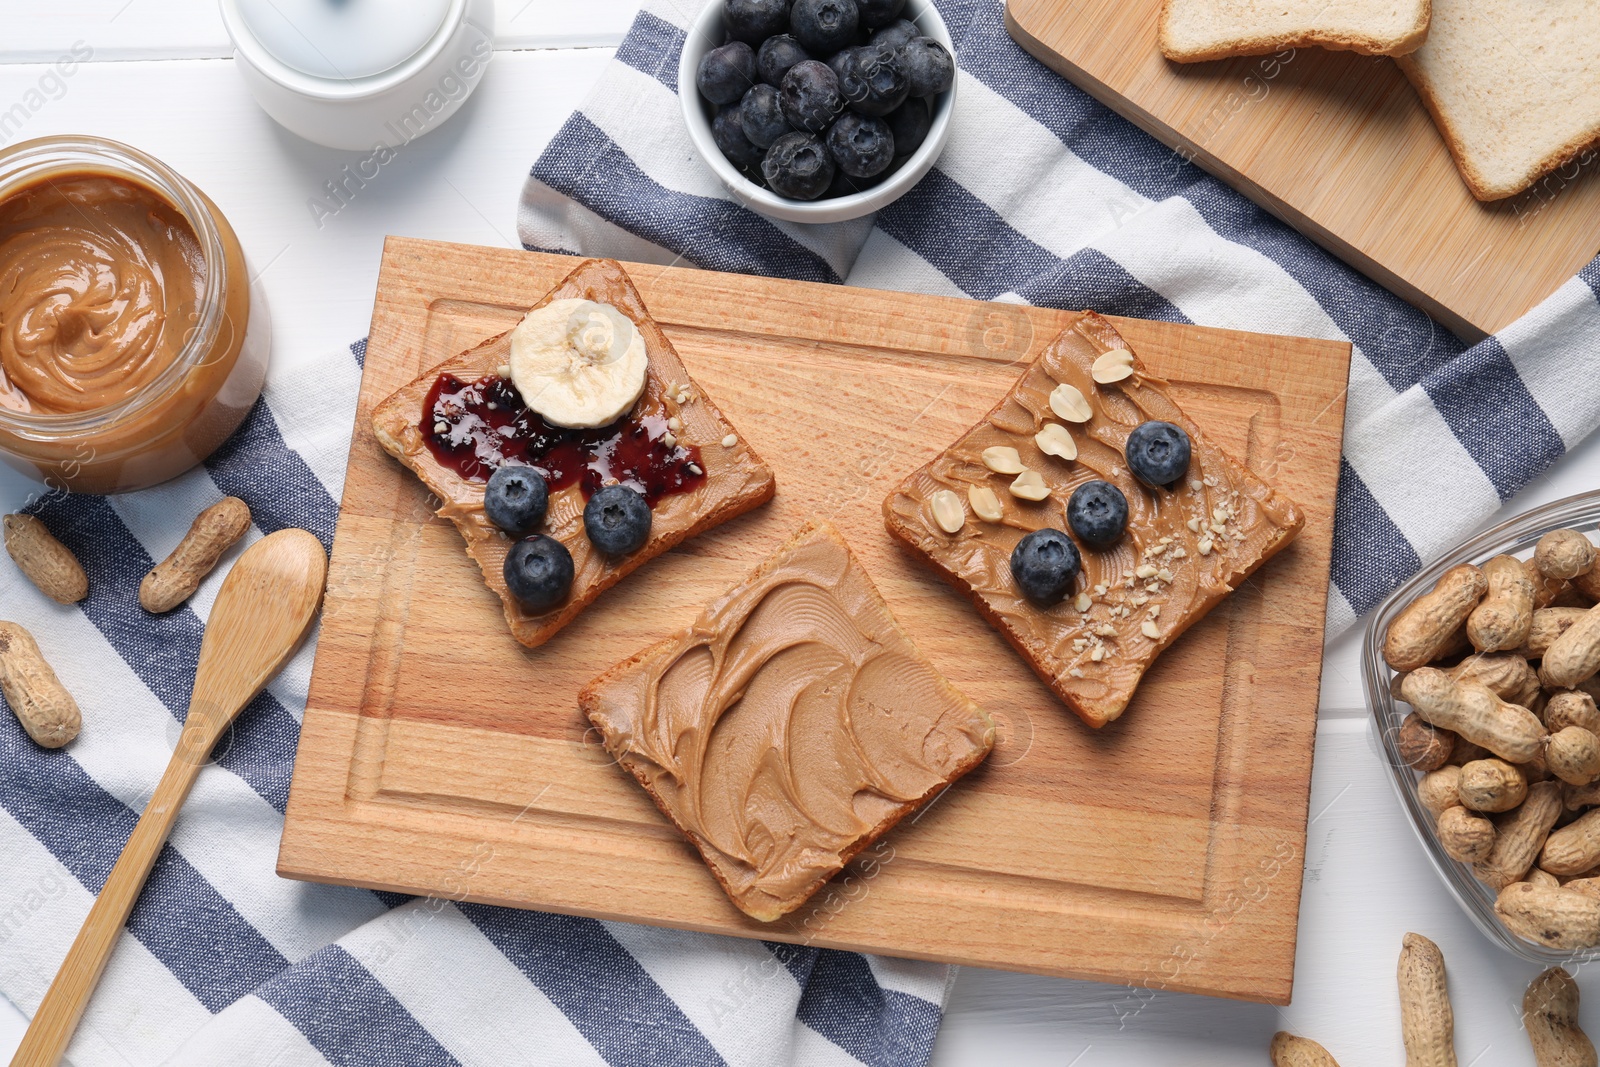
column 262, row 613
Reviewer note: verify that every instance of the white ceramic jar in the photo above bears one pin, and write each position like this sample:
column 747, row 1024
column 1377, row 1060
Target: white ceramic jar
column 360, row 74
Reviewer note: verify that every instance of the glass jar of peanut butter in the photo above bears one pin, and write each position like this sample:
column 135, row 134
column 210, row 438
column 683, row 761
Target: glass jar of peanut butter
column 130, row 346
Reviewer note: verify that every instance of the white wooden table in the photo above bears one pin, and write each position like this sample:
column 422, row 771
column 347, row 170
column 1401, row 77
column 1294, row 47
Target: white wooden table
column 161, row 79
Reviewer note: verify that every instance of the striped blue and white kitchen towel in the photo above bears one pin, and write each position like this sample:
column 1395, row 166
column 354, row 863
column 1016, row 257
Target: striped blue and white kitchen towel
column 225, row 963
column 1045, row 196
column 1042, row 196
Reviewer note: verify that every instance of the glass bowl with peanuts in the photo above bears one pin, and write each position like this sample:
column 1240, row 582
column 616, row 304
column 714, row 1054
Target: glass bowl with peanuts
column 1481, row 675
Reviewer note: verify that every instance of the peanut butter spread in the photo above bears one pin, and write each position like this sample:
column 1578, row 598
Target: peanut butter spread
column 789, row 726
column 1186, row 546
column 101, row 279
column 735, row 479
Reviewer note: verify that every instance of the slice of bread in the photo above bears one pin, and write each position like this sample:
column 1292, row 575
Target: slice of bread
column 790, row 726
column 1513, row 85
column 736, row 479
column 1185, row 547
column 1196, row 30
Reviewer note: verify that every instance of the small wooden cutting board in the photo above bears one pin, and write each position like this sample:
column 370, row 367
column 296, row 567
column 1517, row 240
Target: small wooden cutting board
column 439, row 756
column 1339, row 146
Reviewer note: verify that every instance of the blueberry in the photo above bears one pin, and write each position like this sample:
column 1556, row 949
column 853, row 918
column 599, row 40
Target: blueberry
column 861, row 146
column 909, row 123
column 872, row 80
column 777, row 55
column 516, row 499
column 1044, row 563
column 753, row 21
column 617, row 520
column 824, row 26
column 1158, row 453
column 841, row 62
column 928, row 67
column 798, row 166
column 538, row 571
column 761, row 117
column 810, row 96
column 896, row 34
column 726, row 73
column 728, row 132
column 844, row 184
column 875, row 13
column 1097, row 513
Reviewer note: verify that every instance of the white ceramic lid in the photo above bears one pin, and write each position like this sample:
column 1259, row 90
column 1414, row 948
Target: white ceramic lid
column 342, row 39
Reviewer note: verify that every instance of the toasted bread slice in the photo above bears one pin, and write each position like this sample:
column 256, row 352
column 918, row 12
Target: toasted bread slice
column 736, row 479
column 1513, row 86
column 1196, row 30
column 793, row 724
column 1185, row 547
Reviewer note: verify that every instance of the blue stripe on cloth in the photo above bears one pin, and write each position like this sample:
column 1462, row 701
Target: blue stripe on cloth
column 1371, row 557
column 359, row 350
column 1091, row 279
column 180, row 917
column 985, row 256
column 552, row 250
column 598, row 985
column 584, row 164
column 198, row 934
column 257, row 466
column 163, row 650
column 348, row 1016
column 1489, row 409
column 799, row 959
column 1095, row 134
column 880, row 1027
column 653, row 46
column 1590, row 276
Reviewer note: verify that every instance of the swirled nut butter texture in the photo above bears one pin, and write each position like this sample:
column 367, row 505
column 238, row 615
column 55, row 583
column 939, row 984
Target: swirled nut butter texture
column 1186, row 547
column 101, row 279
column 790, row 726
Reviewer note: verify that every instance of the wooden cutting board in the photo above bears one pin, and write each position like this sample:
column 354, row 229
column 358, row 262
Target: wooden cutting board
column 438, row 756
column 1340, row 147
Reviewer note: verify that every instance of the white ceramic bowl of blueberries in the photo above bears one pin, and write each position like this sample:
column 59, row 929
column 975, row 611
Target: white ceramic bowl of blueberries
column 818, row 110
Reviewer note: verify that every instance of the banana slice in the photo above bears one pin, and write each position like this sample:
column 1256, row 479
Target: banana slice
column 578, row 363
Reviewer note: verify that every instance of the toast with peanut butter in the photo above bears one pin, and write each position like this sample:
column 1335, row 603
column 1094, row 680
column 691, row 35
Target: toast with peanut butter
column 459, row 422
column 1183, row 547
column 790, row 726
